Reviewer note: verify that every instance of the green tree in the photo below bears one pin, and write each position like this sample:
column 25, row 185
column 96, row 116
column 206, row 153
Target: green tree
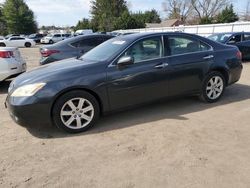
column 106, row 12
column 19, row 18
column 128, row 21
column 206, row 20
column 227, row 15
column 83, row 24
column 2, row 22
column 152, row 17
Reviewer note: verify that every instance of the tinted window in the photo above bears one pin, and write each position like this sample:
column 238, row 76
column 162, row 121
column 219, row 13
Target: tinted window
column 181, row 45
column 246, row 36
column 236, row 38
column 57, row 35
column 90, row 42
column 145, row 49
column 17, row 38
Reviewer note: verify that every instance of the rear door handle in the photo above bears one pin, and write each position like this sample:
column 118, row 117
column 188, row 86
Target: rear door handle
column 161, row 66
column 208, row 57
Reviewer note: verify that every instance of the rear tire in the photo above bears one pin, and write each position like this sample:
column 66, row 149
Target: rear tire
column 75, row 111
column 2, row 45
column 27, row 44
column 213, row 87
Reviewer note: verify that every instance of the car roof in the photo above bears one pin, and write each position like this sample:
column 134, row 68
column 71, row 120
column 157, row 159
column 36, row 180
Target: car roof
column 148, row 34
column 77, row 38
column 232, row 33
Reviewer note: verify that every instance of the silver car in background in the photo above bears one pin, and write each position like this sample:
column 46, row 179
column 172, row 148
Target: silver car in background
column 11, row 63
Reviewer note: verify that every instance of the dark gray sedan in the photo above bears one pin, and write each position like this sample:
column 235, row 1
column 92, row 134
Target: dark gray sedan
column 69, row 48
column 123, row 72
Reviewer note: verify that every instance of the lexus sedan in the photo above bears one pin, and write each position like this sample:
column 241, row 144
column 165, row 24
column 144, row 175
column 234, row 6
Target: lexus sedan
column 73, row 47
column 239, row 39
column 122, row 72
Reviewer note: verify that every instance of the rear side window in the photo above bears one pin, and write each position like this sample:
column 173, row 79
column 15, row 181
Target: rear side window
column 176, row 45
column 91, row 42
column 246, row 37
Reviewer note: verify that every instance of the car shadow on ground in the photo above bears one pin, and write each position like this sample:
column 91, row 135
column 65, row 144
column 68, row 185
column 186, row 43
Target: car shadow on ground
column 4, row 85
column 169, row 109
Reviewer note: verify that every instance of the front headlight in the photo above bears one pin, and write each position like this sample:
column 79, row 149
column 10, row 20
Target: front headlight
column 28, row 90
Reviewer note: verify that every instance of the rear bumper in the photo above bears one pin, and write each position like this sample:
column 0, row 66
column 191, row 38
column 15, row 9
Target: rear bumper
column 235, row 74
column 13, row 69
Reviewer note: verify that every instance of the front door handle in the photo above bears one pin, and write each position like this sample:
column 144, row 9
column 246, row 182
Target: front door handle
column 161, row 66
column 208, row 57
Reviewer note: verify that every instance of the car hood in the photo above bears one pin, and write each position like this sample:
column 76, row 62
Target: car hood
column 61, row 70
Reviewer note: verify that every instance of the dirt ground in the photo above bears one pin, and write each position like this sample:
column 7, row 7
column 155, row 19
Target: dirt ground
column 182, row 143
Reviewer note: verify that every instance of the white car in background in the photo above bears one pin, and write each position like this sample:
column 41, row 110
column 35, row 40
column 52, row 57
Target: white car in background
column 11, row 63
column 17, row 42
column 52, row 38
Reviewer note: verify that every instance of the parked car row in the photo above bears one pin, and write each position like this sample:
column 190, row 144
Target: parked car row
column 121, row 72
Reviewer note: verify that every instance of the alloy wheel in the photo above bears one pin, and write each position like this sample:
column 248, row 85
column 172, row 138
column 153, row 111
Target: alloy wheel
column 77, row 113
column 214, row 87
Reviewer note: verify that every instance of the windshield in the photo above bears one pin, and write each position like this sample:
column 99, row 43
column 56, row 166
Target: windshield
column 105, row 51
column 220, row 37
column 32, row 35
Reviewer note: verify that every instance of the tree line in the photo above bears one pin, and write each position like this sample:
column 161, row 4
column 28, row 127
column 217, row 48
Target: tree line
column 108, row 15
column 201, row 11
column 17, row 18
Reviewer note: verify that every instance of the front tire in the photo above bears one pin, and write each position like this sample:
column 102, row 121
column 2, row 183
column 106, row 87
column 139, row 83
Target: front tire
column 51, row 42
column 76, row 111
column 213, row 87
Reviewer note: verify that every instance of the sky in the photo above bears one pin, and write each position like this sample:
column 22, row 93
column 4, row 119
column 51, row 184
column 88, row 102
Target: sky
column 68, row 12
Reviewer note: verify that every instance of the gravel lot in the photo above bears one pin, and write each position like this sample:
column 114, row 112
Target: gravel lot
column 181, row 143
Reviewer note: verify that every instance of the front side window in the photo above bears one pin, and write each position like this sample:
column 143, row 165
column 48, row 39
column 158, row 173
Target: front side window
column 145, row 49
column 182, row 45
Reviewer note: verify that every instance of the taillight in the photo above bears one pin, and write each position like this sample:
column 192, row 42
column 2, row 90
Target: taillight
column 47, row 53
column 6, row 54
column 239, row 55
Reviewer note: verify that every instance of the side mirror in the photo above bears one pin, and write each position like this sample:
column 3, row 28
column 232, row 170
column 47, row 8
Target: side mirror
column 124, row 61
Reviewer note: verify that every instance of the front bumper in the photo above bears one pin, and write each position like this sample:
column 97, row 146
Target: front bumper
column 28, row 111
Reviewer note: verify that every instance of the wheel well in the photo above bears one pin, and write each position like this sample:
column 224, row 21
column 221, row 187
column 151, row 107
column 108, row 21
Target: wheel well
column 83, row 89
column 224, row 73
